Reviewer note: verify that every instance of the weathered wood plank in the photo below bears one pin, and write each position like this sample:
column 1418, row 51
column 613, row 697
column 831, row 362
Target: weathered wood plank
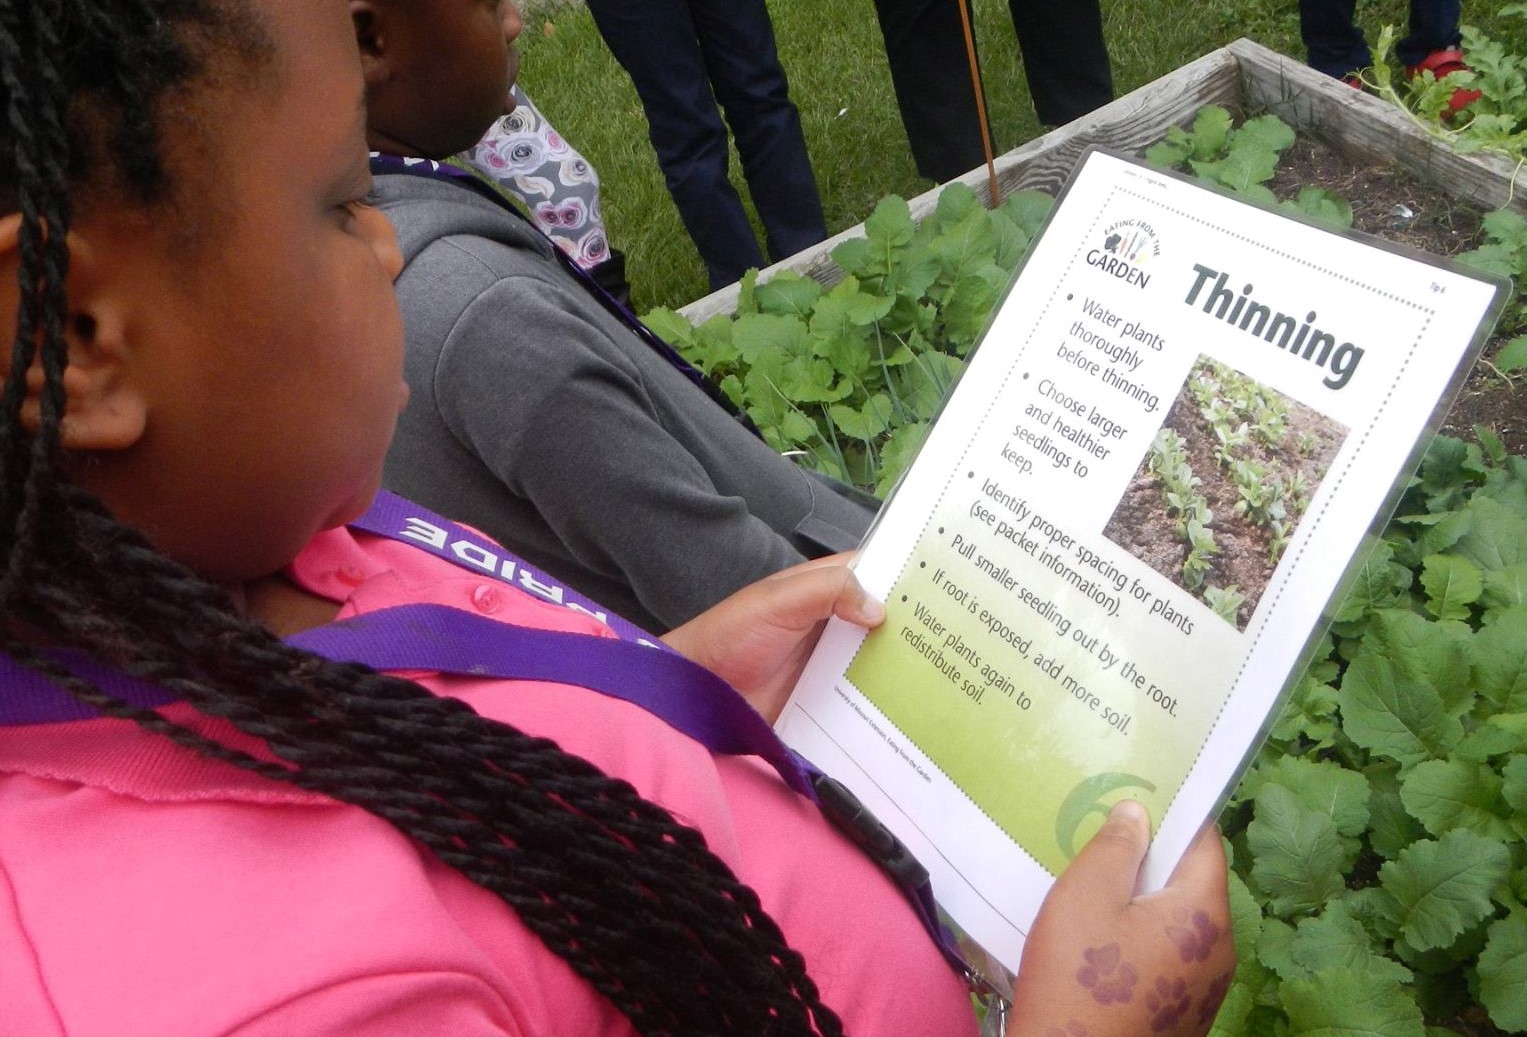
column 1367, row 129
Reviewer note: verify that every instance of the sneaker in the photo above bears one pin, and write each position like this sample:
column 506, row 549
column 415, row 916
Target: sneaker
column 1441, row 64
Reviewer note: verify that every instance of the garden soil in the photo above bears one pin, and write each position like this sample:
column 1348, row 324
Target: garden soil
column 1392, row 204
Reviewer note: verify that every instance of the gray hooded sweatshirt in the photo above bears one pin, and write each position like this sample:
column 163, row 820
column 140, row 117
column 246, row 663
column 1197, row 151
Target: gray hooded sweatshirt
column 544, row 421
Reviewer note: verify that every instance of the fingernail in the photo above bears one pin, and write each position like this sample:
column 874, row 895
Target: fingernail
column 1129, row 811
column 872, row 610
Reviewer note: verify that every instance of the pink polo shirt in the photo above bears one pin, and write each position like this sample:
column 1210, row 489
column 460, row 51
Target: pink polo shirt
column 145, row 890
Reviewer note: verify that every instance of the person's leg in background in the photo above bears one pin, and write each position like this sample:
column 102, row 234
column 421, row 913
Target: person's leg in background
column 1065, row 58
column 655, row 41
column 1433, row 27
column 925, row 48
column 1332, row 43
column 737, row 40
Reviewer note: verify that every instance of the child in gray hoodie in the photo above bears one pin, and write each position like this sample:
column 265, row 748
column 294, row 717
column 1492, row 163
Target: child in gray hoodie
column 542, row 412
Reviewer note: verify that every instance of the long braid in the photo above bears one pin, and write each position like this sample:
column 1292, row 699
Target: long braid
column 631, row 898
column 34, row 194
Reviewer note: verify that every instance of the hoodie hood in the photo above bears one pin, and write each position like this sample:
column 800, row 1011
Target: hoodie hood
column 455, row 209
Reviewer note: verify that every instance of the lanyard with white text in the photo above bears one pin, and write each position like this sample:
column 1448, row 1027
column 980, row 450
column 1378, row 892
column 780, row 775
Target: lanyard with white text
column 402, row 520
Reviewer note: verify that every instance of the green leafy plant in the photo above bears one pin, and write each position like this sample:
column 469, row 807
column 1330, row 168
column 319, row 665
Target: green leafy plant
column 1168, row 462
column 1241, row 159
column 1261, row 494
column 848, row 377
column 1202, row 548
column 1379, row 842
column 1505, row 252
column 1225, row 602
column 1496, row 121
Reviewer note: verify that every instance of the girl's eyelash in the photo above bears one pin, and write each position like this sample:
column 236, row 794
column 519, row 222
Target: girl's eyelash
column 355, row 206
column 367, row 200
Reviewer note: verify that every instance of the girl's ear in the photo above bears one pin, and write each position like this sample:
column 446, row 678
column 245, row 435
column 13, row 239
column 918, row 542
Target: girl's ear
column 105, row 409
column 372, row 35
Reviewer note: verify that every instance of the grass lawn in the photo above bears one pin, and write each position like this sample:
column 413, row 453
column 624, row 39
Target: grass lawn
column 834, row 57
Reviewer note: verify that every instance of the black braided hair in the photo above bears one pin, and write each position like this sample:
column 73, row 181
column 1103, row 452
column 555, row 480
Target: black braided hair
column 632, row 899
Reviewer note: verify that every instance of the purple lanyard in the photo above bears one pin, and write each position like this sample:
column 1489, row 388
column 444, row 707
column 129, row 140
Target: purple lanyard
column 685, row 695
column 632, row 667
column 402, row 520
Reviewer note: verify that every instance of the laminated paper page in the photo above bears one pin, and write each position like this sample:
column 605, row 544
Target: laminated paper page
column 1122, row 532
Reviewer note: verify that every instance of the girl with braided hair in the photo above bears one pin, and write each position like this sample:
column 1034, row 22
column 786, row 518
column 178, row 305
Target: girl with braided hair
column 206, row 828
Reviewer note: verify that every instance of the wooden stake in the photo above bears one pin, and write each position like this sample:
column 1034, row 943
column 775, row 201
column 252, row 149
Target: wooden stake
column 975, row 82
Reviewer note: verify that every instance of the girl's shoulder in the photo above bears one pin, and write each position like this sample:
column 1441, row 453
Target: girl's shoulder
column 364, row 572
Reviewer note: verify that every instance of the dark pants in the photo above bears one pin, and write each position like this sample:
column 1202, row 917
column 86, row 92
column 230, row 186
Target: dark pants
column 677, row 52
column 1336, row 47
column 1064, row 60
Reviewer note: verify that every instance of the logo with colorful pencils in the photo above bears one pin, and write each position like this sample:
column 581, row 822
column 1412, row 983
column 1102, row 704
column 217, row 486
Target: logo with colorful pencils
column 1128, row 247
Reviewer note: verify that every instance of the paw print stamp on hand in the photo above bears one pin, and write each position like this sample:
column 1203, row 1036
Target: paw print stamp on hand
column 1194, row 938
column 1167, row 1003
column 1111, row 980
column 1209, row 1007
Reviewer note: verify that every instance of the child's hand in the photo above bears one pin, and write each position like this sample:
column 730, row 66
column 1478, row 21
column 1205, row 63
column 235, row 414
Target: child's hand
column 1100, row 962
column 758, row 639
